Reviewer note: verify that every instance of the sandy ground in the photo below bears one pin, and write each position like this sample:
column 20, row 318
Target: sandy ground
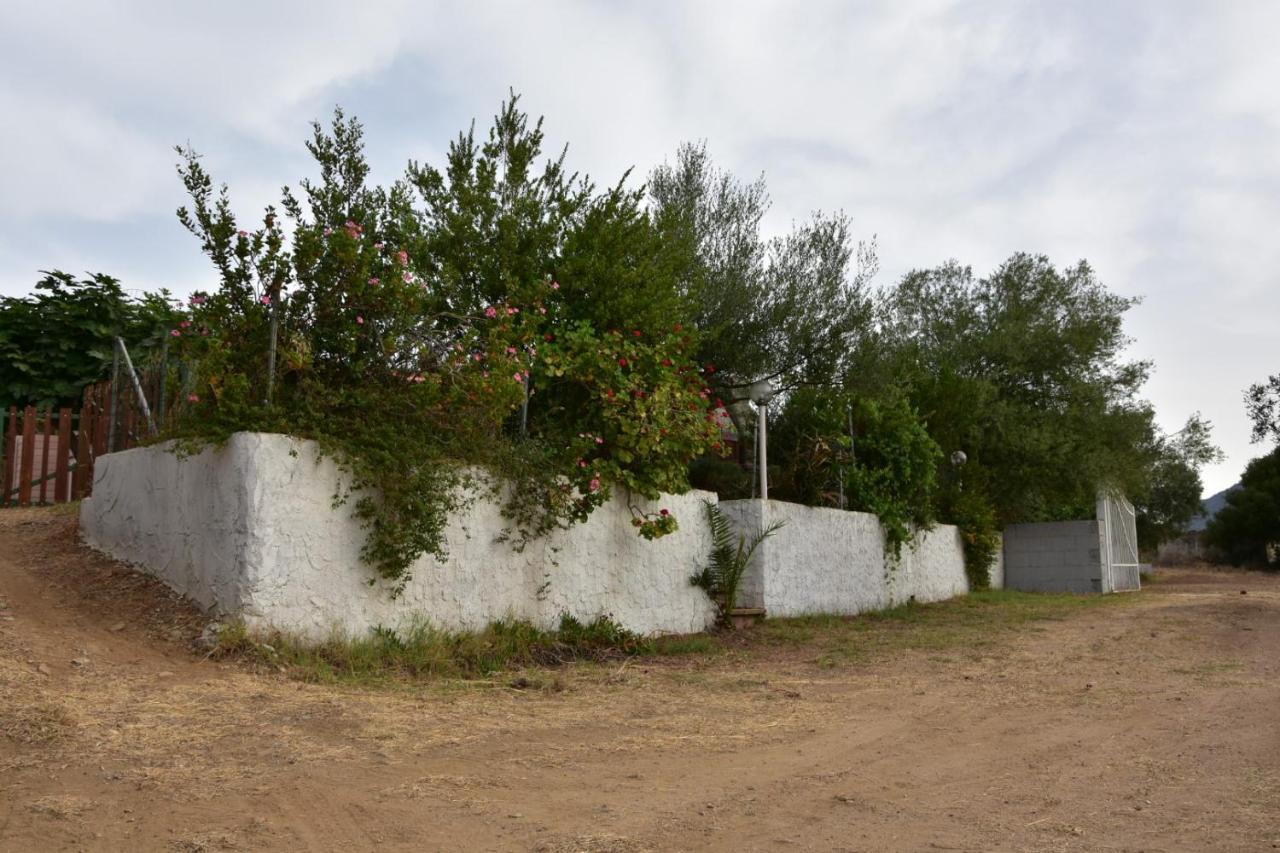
column 1153, row 725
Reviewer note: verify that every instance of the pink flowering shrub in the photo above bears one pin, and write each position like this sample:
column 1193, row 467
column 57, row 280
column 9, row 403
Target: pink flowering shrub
column 408, row 376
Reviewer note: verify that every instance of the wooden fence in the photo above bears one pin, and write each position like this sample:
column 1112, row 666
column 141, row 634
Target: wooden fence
column 48, row 454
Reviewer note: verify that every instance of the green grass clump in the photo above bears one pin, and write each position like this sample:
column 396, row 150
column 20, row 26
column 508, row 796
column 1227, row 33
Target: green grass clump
column 421, row 651
column 974, row 622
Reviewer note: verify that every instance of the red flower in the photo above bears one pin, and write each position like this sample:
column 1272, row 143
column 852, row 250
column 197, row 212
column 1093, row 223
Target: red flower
column 622, row 362
column 637, row 333
column 666, row 362
column 711, row 368
column 665, row 512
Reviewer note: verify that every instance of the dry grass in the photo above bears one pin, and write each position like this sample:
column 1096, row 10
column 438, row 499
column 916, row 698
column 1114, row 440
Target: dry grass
column 37, row 723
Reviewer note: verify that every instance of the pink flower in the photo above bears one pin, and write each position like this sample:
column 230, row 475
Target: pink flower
column 186, row 324
column 328, row 232
column 242, row 234
column 375, row 281
column 555, row 285
column 408, row 277
column 582, row 463
column 359, row 320
column 511, row 350
column 193, row 398
column 541, row 310
column 491, row 312
column 519, row 377
column 599, row 440
column 196, row 300
column 379, row 246
column 595, row 484
column 403, row 257
column 176, row 333
column 511, row 311
column 353, row 229
column 266, row 299
column 479, row 356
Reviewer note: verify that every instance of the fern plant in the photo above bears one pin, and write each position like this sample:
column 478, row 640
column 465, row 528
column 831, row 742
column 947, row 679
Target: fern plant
column 730, row 555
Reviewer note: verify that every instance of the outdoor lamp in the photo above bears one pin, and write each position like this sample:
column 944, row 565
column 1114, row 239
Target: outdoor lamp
column 959, row 458
column 761, row 392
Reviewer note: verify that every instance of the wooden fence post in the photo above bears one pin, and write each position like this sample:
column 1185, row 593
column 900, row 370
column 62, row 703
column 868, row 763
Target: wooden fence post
column 60, row 493
column 46, row 439
column 28, row 455
column 102, row 427
column 10, row 444
column 84, row 433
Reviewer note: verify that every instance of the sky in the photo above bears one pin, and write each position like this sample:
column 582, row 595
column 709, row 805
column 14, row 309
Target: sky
column 1141, row 136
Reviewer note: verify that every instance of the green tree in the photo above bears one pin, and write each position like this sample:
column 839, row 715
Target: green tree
column 1172, row 494
column 886, row 466
column 409, row 341
column 1024, row 371
column 59, row 339
column 1263, row 402
column 1249, row 523
column 790, row 308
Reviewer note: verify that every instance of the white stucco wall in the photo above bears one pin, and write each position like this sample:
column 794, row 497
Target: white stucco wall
column 250, row 530
column 833, row 561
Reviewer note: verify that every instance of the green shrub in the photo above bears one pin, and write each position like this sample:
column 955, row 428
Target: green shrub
column 888, row 468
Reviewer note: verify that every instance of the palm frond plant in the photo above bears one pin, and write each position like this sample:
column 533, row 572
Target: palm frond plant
column 731, row 553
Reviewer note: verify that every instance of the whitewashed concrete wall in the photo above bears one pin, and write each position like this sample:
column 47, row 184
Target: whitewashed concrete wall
column 833, row 561
column 250, row 530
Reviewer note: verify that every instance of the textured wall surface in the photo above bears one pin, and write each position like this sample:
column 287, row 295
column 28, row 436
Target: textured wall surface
column 1059, row 556
column 250, row 530
column 185, row 520
column 996, row 572
column 833, row 561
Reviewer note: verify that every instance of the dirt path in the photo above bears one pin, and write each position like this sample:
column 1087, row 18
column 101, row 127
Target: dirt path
column 1151, row 725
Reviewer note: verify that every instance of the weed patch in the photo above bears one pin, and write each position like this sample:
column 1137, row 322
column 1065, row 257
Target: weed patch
column 422, row 651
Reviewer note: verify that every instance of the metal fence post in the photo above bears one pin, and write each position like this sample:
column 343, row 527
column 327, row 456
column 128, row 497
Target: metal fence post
column 137, row 386
column 115, row 395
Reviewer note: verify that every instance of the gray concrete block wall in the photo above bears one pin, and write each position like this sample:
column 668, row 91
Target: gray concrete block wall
column 1060, row 556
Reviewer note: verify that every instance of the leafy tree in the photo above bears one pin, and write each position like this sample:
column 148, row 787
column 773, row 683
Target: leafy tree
column 1263, row 402
column 1249, row 523
column 790, row 308
column 887, row 467
column 59, row 339
column 409, row 341
column 1172, row 495
column 1023, row 371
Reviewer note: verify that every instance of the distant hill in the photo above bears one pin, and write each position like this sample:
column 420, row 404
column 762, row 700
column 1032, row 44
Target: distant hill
column 1209, row 507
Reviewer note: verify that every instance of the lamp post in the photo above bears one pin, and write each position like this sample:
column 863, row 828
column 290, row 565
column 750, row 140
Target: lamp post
column 958, row 458
column 761, row 392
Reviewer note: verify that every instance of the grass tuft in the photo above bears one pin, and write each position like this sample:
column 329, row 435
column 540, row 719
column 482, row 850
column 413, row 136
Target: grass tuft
column 422, row 651
column 975, row 623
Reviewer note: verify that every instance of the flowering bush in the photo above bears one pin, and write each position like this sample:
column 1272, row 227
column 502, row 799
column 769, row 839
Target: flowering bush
column 409, row 381
column 655, row 525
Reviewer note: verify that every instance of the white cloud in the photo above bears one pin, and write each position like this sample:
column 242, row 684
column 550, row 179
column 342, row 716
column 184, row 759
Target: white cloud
column 1144, row 136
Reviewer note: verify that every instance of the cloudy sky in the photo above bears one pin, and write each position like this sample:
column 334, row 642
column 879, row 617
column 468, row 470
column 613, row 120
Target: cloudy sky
column 1144, row 137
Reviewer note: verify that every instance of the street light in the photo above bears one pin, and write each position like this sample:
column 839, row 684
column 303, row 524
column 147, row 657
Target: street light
column 958, row 458
column 761, row 392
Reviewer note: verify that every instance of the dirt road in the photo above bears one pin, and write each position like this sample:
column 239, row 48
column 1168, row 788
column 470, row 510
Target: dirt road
column 1151, row 725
